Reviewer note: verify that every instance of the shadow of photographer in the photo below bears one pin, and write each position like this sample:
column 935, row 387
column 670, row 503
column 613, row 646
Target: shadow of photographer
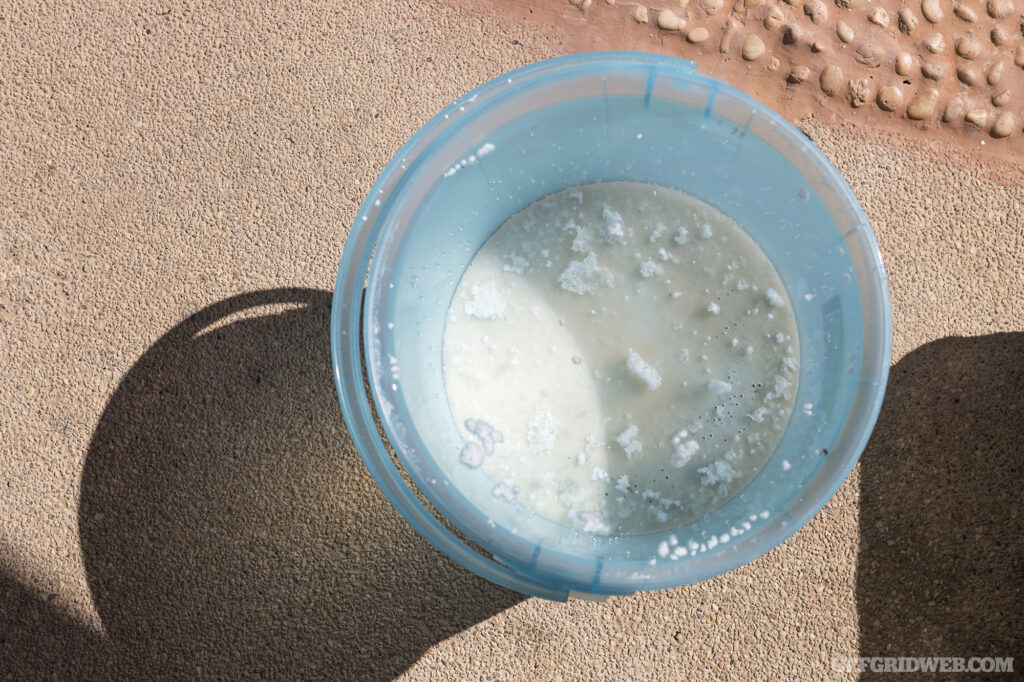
column 941, row 566
column 228, row 526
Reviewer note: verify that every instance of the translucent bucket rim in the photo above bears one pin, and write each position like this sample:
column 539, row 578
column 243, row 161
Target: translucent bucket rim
column 348, row 328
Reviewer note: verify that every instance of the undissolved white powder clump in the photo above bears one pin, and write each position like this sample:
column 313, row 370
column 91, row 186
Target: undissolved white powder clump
column 684, row 448
column 614, row 232
column 516, row 264
column 487, row 302
column 774, row 298
column 585, row 276
column 719, row 386
column 593, row 523
column 649, row 268
column 506, row 492
column 643, row 371
column 718, row 471
column 627, row 439
column 542, row 430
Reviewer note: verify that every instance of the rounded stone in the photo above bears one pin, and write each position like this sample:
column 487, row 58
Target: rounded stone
column 934, row 70
column 711, row 6
column 966, row 12
column 817, row 11
column 869, row 55
column 932, row 10
column 954, row 110
column 1004, row 125
column 669, row 20
column 977, row 117
column 968, row 48
column 935, row 43
column 890, row 98
column 904, row 63
column 995, row 72
column 923, row 106
column 879, row 17
column 753, row 48
column 774, row 18
column 698, row 35
column 798, row 74
column 830, row 80
column 726, row 43
column 966, row 75
column 907, row 20
column 997, row 9
column 844, row 31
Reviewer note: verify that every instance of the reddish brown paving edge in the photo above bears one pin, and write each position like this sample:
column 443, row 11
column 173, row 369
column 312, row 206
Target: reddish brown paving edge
column 597, row 25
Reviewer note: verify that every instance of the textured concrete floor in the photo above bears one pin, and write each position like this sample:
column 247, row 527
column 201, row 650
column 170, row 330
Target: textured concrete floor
column 178, row 495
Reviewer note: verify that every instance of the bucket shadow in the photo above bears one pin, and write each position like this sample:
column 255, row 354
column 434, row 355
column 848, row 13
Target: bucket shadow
column 941, row 564
column 40, row 640
column 229, row 528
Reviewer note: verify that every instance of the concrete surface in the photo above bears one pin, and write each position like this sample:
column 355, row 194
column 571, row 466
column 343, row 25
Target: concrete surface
column 178, row 495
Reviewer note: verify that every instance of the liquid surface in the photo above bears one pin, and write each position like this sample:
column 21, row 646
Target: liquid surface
column 620, row 357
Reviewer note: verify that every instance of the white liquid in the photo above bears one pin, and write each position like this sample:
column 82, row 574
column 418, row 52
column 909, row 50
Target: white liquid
column 621, row 357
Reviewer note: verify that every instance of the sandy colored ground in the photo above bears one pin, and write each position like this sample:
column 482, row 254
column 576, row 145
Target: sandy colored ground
column 178, row 495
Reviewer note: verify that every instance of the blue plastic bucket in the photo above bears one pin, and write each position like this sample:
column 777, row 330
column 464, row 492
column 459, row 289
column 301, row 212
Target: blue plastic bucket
column 557, row 124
